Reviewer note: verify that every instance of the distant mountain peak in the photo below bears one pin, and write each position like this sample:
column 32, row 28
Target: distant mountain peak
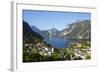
column 37, row 30
column 54, row 30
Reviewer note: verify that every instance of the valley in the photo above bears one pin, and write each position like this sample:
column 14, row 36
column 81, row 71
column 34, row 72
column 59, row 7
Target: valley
column 71, row 43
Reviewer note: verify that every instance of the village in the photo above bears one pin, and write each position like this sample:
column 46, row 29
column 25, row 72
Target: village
column 73, row 52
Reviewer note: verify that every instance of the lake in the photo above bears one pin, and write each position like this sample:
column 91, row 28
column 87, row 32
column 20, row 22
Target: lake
column 58, row 42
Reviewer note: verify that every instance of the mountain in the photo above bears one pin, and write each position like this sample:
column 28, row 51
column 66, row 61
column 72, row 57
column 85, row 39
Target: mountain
column 79, row 29
column 35, row 29
column 51, row 33
column 29, row 35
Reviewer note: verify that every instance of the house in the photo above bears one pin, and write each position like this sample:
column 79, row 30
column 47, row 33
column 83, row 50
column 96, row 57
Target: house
column 29, row 46
column 47, row 51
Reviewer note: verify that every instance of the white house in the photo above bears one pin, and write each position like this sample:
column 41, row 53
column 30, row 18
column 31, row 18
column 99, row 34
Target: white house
column 47, row 51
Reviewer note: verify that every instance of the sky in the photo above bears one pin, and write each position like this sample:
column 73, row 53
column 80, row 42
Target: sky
column 46, row 20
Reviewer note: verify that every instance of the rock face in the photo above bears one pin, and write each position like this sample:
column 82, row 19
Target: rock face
column 79, row 29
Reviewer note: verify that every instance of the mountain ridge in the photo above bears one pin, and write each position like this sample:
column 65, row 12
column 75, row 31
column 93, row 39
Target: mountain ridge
column 78, row 29
column 29, row 34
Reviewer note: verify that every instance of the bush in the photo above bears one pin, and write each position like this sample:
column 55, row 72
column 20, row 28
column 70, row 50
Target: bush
column 87, row 56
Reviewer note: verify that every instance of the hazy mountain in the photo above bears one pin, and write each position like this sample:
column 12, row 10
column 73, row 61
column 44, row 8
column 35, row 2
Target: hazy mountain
column 37, row 30
column 51, row 33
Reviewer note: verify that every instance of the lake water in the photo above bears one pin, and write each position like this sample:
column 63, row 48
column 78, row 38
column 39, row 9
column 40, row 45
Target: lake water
column 58, row 42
